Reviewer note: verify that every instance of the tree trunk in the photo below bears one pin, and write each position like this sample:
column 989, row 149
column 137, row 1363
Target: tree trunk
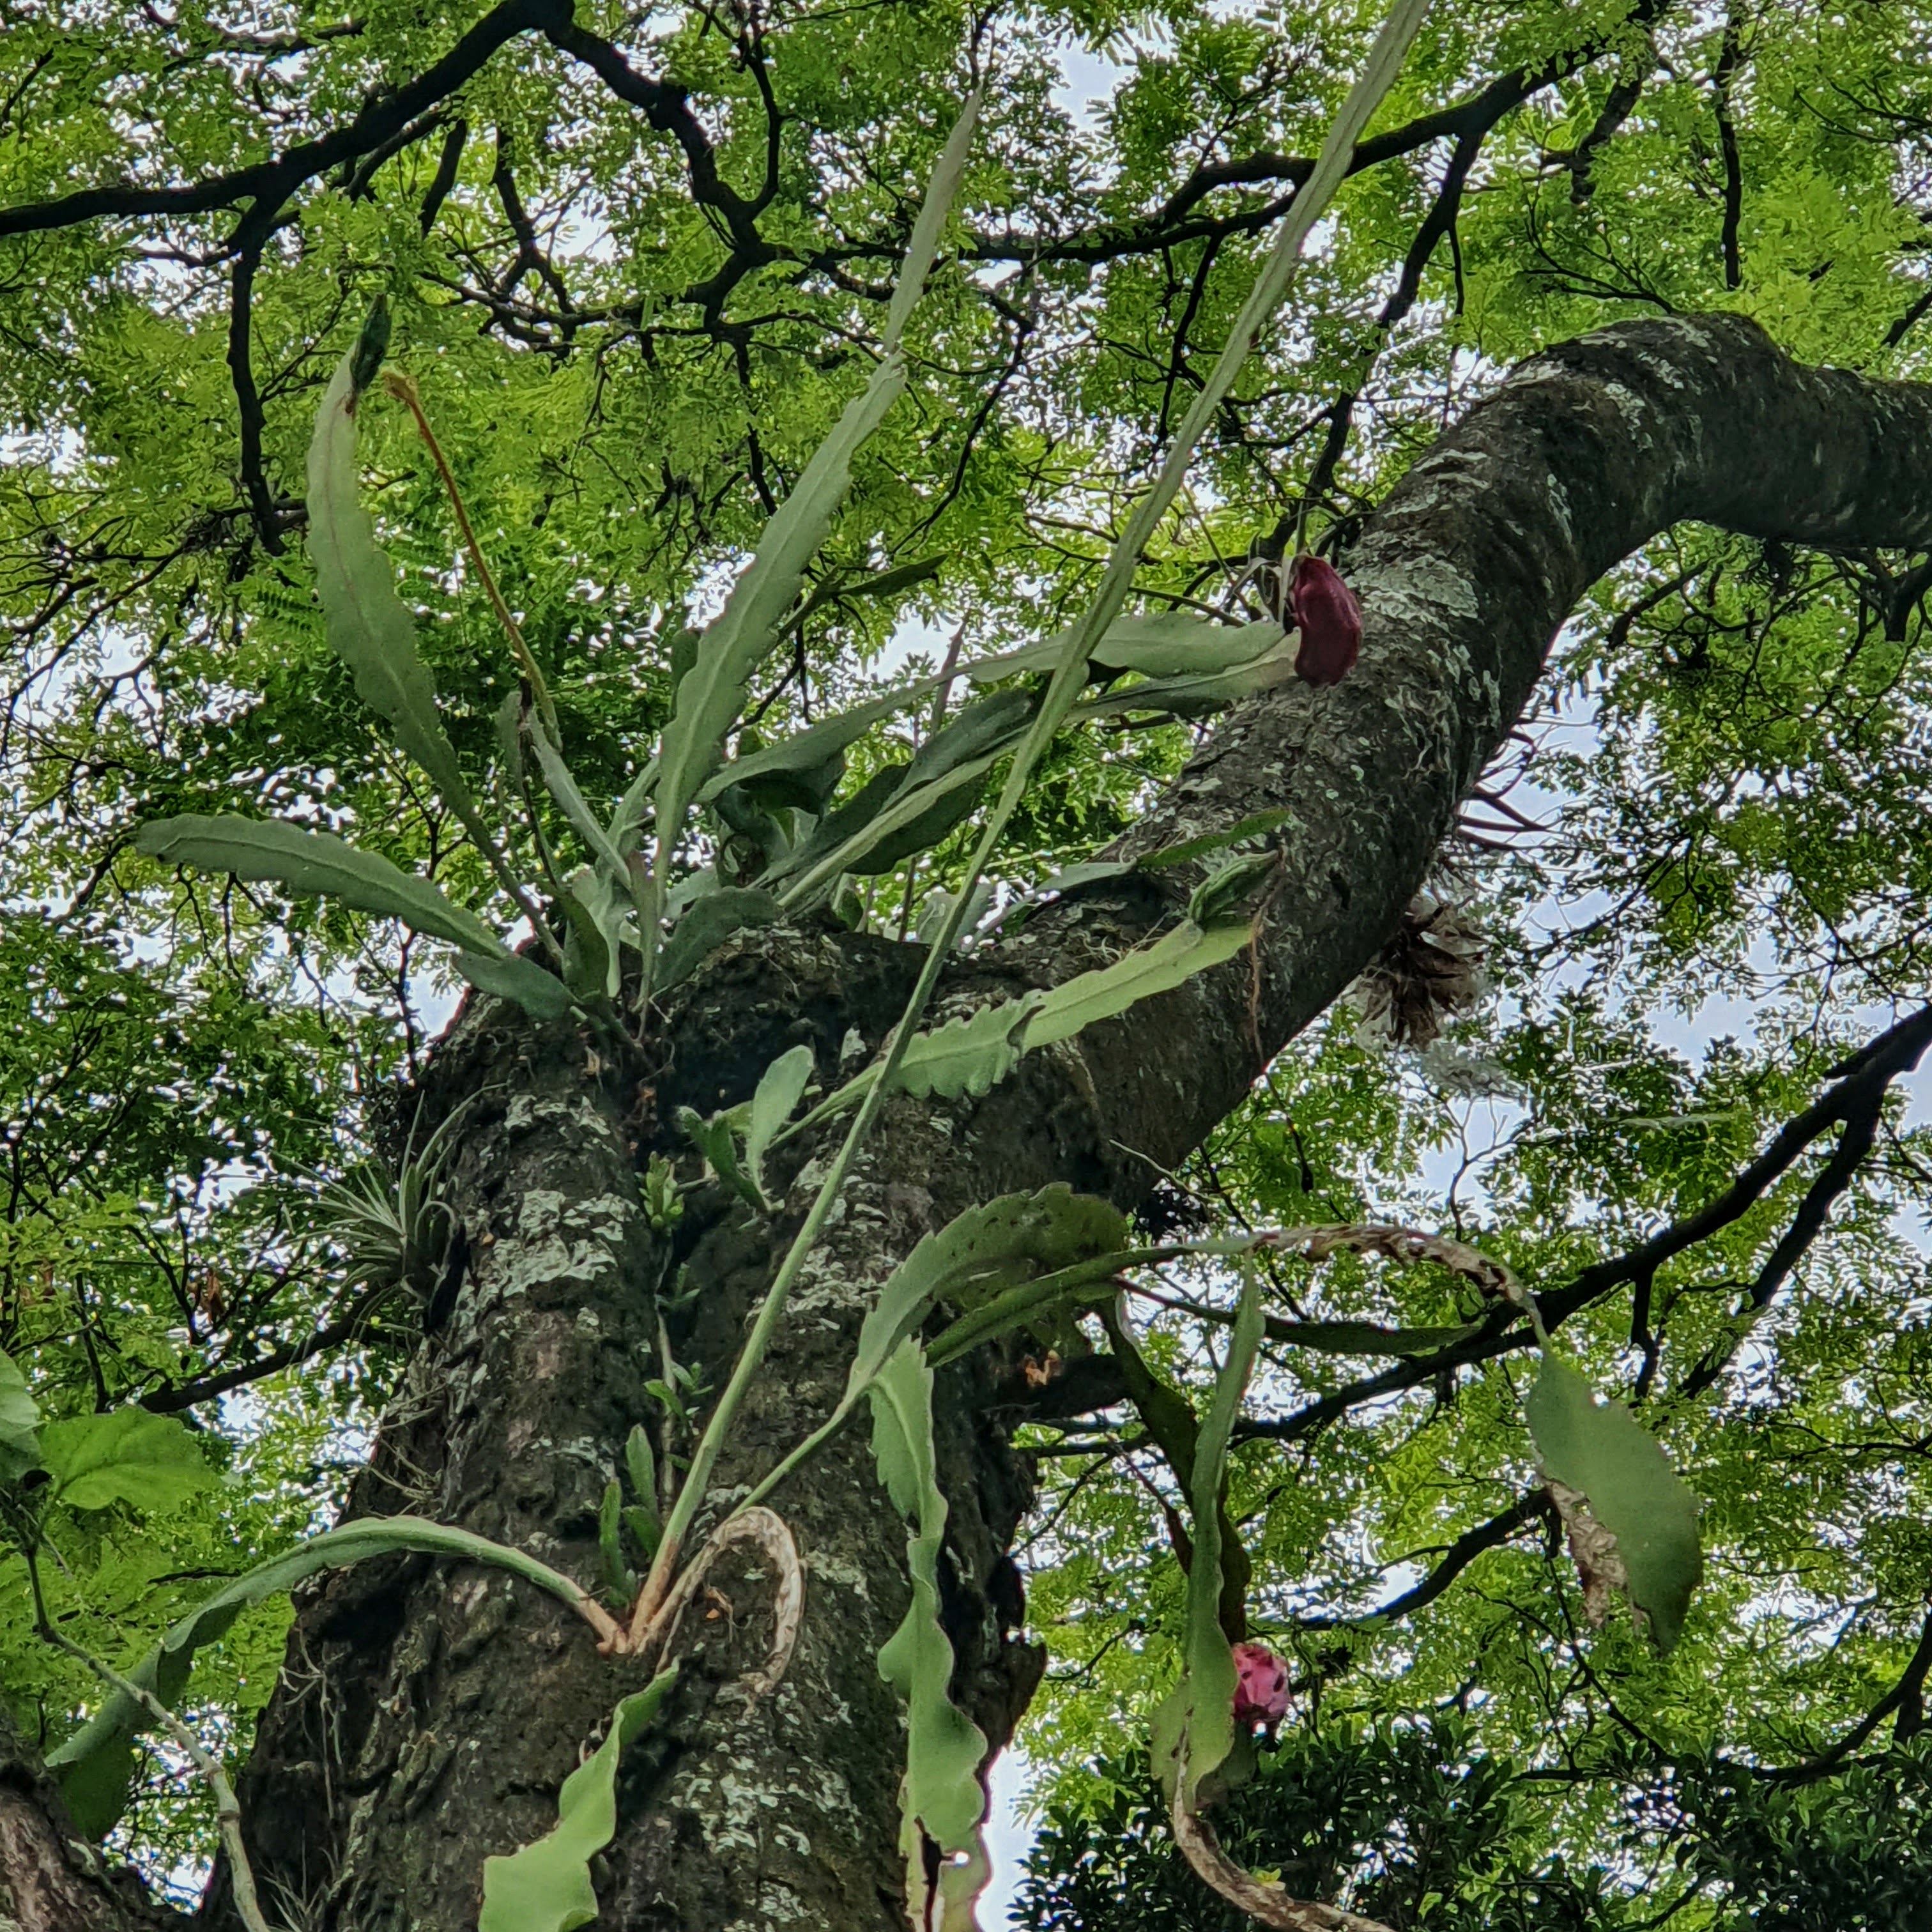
column 427, row 1714
column 50, row 1880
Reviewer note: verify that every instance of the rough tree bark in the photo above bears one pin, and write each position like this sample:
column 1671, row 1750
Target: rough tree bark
column 426, row 1715
column 52, row 1880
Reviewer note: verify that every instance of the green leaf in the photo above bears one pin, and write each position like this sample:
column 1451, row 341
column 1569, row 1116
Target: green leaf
column 1194, row 694
column 641, row 1466
column 814, row 748
column 1217, row 900
column 716, row 1139
column 371, row 346
column 126, row 1456
column 926, row 230
column 712, row 693
column 1601, row 1449
column 596, row 910
column 975, row 1255
column 19, row 1418
column 312, row 862
column 95, row 1764
column 1173, row 958
column 320, row 863
column 1194, row 1730
column 987, row 725
column 522, row 981
column 1011, row 1239
column 546, row 1886
column 1039, row 1307
column 1255, row 826
column 706, row 924
column 576, row 808
column 509, row 727
column 617, row 1575
column 887, row 820
column 780, row 1088
column 646, row 1531
column 368, row 628
column 973, row 1054
column 940, row 1798
column 1169, row 644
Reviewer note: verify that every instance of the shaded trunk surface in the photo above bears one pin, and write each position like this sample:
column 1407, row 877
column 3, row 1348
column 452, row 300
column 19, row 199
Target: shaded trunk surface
column 427, row 1714
column 50, row 1880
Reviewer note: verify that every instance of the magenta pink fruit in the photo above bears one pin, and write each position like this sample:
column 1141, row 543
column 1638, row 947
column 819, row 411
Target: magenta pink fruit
column 1260, row 1685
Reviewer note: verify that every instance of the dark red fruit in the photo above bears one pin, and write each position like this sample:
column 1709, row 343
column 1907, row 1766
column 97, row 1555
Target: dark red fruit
column 1324, row 610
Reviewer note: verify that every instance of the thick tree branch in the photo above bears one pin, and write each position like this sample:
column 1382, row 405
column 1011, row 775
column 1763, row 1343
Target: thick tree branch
column 269, row 184
column 1729, row 58
column 444, row 179
column 1583, row 455
column 248, row 399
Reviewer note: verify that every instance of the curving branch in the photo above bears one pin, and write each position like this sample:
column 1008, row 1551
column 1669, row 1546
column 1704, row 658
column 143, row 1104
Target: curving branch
column 1170, row 224
column 268, row 183
column 1582, row 455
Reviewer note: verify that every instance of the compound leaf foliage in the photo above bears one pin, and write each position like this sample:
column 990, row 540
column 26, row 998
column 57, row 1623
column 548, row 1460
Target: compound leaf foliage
column 712, row 693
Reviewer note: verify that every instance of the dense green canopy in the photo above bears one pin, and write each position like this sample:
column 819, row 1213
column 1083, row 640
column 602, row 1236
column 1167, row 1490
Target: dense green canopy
column 637, row 261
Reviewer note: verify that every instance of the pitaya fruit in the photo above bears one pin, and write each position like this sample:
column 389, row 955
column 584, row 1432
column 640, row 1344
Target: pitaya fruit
column 1260, row 1685
column 1324, row 610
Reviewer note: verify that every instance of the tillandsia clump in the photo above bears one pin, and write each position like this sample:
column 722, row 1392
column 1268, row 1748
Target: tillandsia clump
column 1430, row 972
